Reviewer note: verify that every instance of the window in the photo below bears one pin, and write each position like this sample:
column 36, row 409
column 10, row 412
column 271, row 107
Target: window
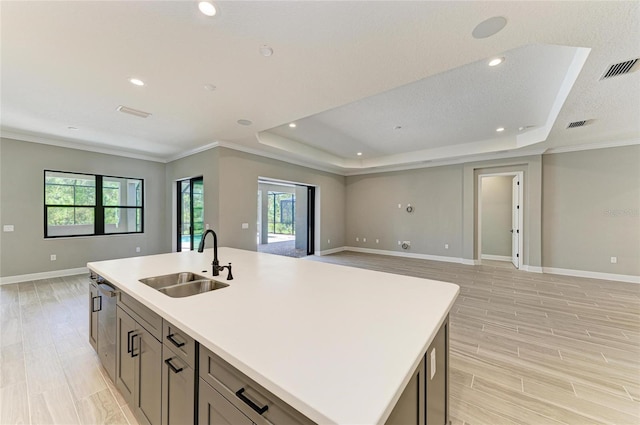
column 86, row 204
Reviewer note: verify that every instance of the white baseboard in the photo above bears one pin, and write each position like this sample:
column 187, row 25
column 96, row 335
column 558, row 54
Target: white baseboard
column 330, row 251
column 469, row 262
column 495, row 257
column 531, row 269
column 592, row 275
column 43, row 275
column 404, row 254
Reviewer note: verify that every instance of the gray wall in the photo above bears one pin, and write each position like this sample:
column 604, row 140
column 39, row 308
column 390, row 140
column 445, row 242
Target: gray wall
column 496, row 215
column 436, row 196
column 25, row 250
column 239, row 174
column 203, row 164
column 591, row 210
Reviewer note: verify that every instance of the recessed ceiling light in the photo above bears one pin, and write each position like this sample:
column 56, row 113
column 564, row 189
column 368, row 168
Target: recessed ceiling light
column 359, row 154
column 499, row 129
column 292, row 125
column 207, row 8
column 489, row 27
column 266, row 51
column 209, row 87
column 496, row 61
column 136, row 81
column 244, row 122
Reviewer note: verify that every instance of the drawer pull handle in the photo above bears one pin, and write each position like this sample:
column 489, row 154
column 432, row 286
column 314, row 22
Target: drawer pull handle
column 93, row 301
column 172, row 367
column 250, row 403
column 133, row 346
column 176, row 343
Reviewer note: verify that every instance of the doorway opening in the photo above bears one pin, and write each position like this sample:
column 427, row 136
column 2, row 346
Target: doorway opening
column 285, row 218
column 500, row 219
column 190, row 213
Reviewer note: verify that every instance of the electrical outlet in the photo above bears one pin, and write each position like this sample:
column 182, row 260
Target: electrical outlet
column 399, row 243
column 245, row 225
column 446, row 246
column 8, row 228
column 137, row 249
column 328, row 241
column 614, row 260
column 399, row 205
column 206, row 226
column 357, row 239
column 53, row 257
column 377, row 240
column 364, row 239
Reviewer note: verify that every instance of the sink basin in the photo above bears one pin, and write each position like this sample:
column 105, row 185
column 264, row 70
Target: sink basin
column 192, row 288
column 158, row 282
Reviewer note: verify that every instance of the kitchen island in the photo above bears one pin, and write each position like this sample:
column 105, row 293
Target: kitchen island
column 337, row 344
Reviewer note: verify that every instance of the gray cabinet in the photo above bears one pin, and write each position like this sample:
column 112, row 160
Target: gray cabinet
column 214, row 409
column 178, row 381
column 425, row 399
column 410, row 408
column 250, row 398
column 139, row 369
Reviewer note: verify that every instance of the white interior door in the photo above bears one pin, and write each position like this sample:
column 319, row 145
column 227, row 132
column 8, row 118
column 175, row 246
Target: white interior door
column 515, row 222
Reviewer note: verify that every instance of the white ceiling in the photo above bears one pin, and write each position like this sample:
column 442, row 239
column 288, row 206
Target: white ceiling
column 346, row 72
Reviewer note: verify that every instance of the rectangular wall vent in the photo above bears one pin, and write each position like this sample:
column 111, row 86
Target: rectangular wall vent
column 578, row 124
column 621, row 68
column 132, row 111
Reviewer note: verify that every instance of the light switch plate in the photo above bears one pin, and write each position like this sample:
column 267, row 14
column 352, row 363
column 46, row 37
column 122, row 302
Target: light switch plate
column 245, row 225
column 7, row 228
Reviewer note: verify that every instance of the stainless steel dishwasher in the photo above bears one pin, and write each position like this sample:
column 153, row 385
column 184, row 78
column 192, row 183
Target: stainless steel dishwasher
column 104, row 304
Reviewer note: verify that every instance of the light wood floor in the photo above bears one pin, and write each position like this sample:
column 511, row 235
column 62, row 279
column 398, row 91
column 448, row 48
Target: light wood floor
column 531, row 348
column 49, row 374
column 525, row 348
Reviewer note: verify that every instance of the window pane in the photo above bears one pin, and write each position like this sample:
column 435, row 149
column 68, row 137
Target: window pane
column 122, row 220
column 69, row 189
column 68, row 221
column 123, row 192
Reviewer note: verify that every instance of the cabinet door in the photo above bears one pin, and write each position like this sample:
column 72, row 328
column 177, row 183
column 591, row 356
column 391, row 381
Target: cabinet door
column 409, row 410
column 213, row 409
column 437, row 377
column 178, row 380
column 125, row 362
column 148, row 383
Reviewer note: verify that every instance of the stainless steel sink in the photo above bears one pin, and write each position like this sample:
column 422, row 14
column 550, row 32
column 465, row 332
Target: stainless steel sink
column 184, row 284
column 158, row 282
column 192, row 288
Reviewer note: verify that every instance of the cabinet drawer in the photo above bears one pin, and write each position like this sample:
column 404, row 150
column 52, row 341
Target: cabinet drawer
column 213, row 409
column 149, row 320
column 180, row 343
column 253, row 400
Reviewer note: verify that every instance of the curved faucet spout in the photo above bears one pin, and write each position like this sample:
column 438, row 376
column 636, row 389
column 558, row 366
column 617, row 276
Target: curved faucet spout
column 215, row 263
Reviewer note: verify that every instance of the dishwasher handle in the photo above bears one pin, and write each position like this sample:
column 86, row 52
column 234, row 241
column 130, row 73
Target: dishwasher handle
column 107, row 289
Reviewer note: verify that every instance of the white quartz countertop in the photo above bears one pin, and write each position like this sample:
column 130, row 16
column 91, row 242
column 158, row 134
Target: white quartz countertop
column 336, row 343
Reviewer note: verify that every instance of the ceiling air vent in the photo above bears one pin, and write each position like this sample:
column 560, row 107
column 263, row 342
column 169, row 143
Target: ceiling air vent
column 132, row 111
column 621, row 68
column 578, row 124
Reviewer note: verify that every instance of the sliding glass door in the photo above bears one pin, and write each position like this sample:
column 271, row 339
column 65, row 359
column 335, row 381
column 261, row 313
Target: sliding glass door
column 190, row 213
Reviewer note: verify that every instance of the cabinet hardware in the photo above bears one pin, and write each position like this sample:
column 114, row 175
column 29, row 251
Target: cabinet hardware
column 176, row 343
column 172, row 367
column 251, row 404
column 133, row 346
column 93, row 300
column 129, row 349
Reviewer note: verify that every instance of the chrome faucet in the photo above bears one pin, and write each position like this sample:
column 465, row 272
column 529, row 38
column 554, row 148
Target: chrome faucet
column 216, row 268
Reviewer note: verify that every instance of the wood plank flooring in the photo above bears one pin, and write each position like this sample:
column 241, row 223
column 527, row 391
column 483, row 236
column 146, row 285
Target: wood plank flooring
column 531, row 348
column 525, row 348
column 49, row 373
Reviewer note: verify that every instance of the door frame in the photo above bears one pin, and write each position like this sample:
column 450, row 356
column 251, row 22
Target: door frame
column 520, row 175
column 178, row 220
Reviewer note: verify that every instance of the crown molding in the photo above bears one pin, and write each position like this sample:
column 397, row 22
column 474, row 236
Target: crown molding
column 591, row 146
column 46, row 140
